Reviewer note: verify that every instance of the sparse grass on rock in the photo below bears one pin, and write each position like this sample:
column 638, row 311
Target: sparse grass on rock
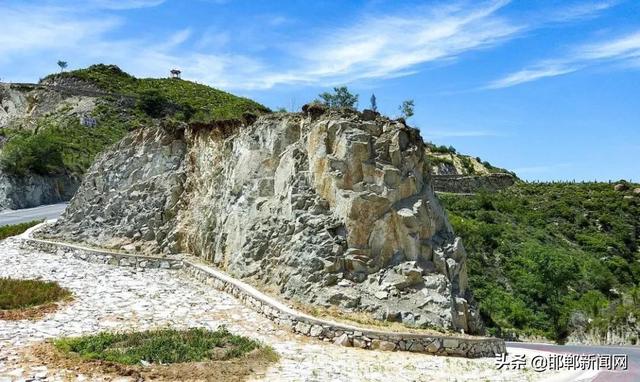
column 16, row 229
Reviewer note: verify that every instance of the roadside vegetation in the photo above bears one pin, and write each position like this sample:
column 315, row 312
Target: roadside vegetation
column 16, row 229
column 542, row 253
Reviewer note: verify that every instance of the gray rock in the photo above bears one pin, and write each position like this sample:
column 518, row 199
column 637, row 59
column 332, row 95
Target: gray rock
column 327, row 208
column 343, row 340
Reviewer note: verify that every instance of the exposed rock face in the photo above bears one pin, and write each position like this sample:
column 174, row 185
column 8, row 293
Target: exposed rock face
column 22, row 104
column 466, row 184
column 33, row 190
column 130, row 193
column 625, row 332
column 329, row 209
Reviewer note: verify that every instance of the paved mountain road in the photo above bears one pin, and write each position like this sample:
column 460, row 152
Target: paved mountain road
column 50, row 211
column 630, row 375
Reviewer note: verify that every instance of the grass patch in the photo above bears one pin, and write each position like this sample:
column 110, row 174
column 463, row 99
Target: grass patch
column 16, row 229
column 20, row 294
column 162, row 346
column 29, row 299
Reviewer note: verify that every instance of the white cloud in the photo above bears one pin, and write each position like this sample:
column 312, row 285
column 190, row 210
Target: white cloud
column 532, row 74
column 125, row 4
column 580, row 10
column 372, row 47
column 625, row 49
column 393, row 45
column 28, row 29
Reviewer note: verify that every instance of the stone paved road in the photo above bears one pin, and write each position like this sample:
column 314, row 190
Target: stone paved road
column 108, row 297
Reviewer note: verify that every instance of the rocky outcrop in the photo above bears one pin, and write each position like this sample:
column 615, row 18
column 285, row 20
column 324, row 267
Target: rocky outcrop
column 33, row 190
column 326, row 209
column 583, row 330
column 22, row 104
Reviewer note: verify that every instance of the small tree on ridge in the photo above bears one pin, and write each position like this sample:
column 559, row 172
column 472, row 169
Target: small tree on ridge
column 341, row 97
column 62, row 65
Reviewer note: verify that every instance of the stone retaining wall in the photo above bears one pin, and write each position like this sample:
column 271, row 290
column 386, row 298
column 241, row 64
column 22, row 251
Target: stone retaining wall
column 469, row 184
column 338, row 333
column 102, row 257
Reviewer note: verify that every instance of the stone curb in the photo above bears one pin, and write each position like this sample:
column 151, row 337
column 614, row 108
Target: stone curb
column 326, row 330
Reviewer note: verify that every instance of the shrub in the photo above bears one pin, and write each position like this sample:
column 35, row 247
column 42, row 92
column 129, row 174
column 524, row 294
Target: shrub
column 341, row 97
column 40, row 153
column 152, row 103
column 539, row 252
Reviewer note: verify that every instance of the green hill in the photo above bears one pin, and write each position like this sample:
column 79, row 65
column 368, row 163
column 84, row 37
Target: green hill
column 540, row 253
column 55, row 142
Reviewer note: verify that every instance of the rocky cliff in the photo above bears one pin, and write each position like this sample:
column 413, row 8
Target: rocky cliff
column 326, row 208
column 33, row 190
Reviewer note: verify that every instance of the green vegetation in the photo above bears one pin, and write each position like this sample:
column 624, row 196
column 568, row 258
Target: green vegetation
column 37, row 153
column 206, row 103
column 407, row 108
column 341, row 97
column 440, row 149
column 21, row 294
column 538, row 252
column 160, row 346
column 60, row 144
column 16, row 229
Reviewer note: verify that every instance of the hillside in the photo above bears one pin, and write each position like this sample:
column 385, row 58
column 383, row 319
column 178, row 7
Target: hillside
column 448, row 161
column 43, row 139
column 554, row 260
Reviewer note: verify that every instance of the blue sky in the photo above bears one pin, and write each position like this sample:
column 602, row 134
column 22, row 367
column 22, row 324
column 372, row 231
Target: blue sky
column 549, row 89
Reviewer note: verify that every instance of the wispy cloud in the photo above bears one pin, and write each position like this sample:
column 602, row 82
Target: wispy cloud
column 29, row 28
column 621, row 49
column 579, row 11
column 394, row 45
column 125, row 4
column 371, row 47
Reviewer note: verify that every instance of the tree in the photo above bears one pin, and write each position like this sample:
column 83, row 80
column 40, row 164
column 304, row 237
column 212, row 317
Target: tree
column 341, row 97
column 39, row 153
column 153, row 103
column 62, row 65
column 374, row 105
column 406, row 109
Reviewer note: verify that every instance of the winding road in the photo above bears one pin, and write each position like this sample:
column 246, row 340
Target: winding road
column 46, row 212
column 53, row 211
column 632, row 374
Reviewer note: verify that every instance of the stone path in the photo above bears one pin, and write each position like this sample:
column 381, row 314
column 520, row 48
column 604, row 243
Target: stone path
column 112, row 298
